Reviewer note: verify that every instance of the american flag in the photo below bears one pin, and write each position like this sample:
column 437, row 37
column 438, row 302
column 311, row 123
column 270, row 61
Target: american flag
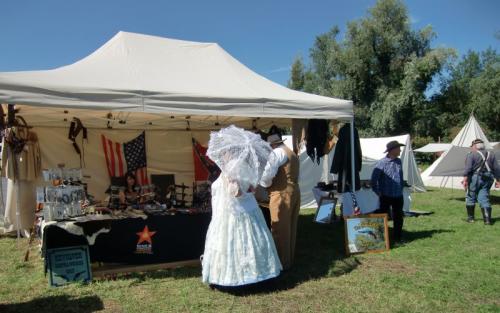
column 127, row 157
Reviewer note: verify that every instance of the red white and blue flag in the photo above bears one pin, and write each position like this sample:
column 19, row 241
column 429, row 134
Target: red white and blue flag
column 130, row 156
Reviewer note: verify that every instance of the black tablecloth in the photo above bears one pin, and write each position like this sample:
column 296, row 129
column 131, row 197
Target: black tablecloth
column 177, row 237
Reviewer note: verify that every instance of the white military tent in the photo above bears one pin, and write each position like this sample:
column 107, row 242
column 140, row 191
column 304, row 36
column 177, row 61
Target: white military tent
column 446, row 171
column 434, row 147
column 173, row 89
column 372, row 149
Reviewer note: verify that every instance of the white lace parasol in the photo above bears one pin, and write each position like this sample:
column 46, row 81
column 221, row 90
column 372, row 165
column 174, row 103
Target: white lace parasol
column 241, row 155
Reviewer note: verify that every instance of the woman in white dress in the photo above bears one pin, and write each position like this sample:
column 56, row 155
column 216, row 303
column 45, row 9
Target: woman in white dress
column 239, row 248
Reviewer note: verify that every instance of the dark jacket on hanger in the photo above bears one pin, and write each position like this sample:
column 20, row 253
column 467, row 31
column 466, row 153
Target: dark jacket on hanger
column 316, row 137
column 341, row 164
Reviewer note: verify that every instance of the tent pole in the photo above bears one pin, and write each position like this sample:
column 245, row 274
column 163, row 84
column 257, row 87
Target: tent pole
column 353, row 180
column 18, row 214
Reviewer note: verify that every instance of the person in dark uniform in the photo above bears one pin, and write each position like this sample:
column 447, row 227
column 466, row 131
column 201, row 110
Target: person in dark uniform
column 481, row 168
column 387, row 182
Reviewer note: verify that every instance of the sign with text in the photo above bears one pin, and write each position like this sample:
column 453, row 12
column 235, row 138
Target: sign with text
column 68, row 265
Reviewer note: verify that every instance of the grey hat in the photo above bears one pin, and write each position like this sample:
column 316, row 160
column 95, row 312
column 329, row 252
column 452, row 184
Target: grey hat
column 274, row 139
column 478, row 140
column 392, row 145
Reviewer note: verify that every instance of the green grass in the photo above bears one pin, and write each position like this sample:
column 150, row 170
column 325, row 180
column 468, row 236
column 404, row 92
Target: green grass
column 446, row 265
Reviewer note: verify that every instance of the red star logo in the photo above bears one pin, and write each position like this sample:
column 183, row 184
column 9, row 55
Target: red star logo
column 145, row 235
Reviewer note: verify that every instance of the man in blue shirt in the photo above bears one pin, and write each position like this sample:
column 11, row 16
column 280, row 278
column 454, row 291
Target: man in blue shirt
column 387, row 183
column 481, row 168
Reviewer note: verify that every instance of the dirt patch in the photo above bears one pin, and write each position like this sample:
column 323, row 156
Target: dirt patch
column 386, row 265
column 112, row 306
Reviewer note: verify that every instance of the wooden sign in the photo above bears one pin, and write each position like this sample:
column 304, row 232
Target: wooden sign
column 67, row 265
column 366, row 233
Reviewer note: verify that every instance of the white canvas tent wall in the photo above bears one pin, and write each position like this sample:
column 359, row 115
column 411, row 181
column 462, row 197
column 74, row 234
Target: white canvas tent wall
column 372, row 148
column 434, row 147
column 464, row 138
column 170, row 88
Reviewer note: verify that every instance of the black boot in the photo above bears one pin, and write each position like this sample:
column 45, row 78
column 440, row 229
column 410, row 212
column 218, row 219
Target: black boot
column 486, row 215
column 470, row 213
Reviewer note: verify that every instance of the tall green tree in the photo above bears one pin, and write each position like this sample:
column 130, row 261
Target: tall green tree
column 473, row 86
column 296, row 80
column 381, row 64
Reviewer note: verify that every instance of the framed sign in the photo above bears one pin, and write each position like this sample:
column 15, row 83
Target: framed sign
column 326, row 210
column 366, row 233
column 69, row 264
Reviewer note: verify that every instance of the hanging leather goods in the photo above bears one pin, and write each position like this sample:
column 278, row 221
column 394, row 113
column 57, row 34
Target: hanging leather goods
column 75, row 128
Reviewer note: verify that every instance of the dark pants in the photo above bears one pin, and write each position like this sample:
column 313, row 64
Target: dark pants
column 396, row 204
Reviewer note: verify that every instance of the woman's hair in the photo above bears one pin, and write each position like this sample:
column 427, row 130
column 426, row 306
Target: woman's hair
column 131, row 175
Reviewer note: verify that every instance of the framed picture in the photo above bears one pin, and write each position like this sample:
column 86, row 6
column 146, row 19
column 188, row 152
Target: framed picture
column 326, row 210
column 366, row 233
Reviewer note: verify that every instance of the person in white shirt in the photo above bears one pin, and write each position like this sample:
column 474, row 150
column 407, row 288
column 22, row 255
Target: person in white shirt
column 280, row 177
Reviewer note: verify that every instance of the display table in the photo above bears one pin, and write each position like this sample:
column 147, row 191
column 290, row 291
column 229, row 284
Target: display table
column 152, row 239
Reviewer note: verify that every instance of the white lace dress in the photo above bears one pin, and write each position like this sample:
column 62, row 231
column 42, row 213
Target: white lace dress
column 239, row 248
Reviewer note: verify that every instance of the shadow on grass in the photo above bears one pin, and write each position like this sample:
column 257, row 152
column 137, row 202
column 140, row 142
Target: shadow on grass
column 60, row 303
column 319, row 253
column 494, row 199
column 409, row 237
column 178, row 273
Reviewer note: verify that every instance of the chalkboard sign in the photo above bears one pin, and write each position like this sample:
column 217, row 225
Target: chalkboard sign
column 366, row 233
column 68, row 264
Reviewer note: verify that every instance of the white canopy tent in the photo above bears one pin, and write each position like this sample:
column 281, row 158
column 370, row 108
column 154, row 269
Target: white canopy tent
column 372, row 149
column 173, row 89
column 147, row 74
column 446, row 171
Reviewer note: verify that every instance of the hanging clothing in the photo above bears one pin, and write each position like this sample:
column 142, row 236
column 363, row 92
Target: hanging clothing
column 21, row 164
column 27, row 205
column 29, row 161
column 317, row 136
column 299, row 134
column 341, row 164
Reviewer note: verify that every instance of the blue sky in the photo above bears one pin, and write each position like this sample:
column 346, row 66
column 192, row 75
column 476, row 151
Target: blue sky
column 264, row 35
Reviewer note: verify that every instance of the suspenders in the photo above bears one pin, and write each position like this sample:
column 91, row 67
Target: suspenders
column 485, row 162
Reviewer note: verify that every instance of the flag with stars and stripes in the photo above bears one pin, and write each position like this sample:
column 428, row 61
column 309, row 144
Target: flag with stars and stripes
column 127, row 157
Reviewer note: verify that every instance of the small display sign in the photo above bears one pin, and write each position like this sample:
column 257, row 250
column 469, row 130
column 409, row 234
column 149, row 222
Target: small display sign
column 68, row 265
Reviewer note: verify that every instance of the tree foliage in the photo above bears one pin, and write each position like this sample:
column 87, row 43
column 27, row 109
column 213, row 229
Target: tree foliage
column 397, row 81
column 473, row 86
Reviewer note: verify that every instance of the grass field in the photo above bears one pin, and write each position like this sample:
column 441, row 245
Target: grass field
column 445, row 265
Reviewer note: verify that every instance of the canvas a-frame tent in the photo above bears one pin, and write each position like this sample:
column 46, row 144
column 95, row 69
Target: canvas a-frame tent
column 173, row 89
column 446, row 171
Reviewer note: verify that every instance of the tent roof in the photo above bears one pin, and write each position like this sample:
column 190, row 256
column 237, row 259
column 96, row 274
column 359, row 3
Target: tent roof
column 468, row 133
column 142, row 73
column 434, row 147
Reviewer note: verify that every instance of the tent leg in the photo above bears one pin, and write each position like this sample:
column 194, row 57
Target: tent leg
column 18, row 214
column 353, row 180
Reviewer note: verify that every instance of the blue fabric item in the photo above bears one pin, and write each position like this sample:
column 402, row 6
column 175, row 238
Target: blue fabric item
column 387, row 177
column 479, row 190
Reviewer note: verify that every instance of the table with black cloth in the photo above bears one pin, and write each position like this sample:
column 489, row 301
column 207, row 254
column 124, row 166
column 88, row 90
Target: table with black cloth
column 176, row 238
